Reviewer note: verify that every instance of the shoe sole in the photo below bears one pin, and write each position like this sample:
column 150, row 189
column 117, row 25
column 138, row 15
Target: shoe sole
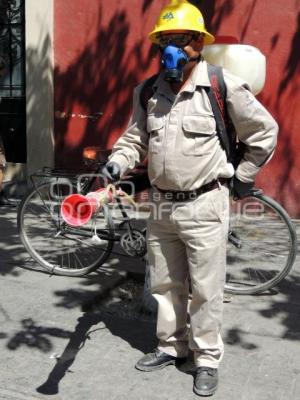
column 161, row 366
column 149, row 369
column 204, row 392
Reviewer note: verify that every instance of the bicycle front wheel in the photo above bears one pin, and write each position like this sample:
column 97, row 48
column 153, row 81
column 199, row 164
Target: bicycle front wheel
column 56, row 246
column 262, row 245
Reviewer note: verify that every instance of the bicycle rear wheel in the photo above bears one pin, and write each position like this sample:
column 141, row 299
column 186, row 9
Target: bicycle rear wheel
column 56, row 246
column 262, row 245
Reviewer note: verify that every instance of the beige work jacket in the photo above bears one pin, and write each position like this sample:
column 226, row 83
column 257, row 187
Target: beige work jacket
column 178, row 134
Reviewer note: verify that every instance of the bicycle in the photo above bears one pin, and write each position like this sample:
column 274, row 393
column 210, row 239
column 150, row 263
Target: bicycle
column 262, row 242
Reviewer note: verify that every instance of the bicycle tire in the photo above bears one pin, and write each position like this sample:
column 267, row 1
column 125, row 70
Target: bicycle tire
column 268, row 246
column 50, row 241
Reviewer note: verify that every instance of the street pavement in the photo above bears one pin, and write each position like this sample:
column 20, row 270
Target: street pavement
column 78, row 338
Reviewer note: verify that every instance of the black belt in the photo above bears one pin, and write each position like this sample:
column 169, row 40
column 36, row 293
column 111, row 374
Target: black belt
column 174, row 195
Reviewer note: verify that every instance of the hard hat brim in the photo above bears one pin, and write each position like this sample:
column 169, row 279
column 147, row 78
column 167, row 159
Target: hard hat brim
column 208, row 37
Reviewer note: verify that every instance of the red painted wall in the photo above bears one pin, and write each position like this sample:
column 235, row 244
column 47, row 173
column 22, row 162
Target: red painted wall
column 102, row 52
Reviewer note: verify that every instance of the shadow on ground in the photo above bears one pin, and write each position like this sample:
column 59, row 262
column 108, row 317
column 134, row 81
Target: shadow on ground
column 287, row 307
column 140, row 336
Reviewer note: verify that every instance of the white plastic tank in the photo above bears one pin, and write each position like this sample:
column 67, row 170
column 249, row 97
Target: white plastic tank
column 247, row 62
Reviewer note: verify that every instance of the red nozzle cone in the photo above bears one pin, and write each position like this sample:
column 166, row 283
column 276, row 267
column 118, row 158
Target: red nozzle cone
column 77, row 210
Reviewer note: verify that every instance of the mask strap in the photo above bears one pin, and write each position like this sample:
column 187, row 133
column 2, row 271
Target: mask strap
column 199, row 58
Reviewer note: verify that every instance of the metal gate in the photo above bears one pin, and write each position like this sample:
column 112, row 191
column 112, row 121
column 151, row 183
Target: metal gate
column 12, row 79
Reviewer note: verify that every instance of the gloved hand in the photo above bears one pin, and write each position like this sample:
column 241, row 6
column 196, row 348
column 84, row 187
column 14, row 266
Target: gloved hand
column 112, row 171
column 241, row 189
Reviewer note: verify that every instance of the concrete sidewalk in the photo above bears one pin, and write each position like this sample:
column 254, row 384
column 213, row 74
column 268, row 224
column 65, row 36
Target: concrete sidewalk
column 60, row 339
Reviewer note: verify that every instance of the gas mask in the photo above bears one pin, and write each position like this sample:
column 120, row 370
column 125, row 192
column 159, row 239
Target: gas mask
column 173, row 61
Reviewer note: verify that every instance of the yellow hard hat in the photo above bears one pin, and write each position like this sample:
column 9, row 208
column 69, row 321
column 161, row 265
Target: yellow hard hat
column 180, row 15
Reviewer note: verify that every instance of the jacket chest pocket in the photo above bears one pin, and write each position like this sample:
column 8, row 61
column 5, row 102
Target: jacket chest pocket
column 155, row 128
column 197, row 132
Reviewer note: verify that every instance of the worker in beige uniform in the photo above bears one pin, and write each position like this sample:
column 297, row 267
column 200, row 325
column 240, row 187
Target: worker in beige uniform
column 188, row 170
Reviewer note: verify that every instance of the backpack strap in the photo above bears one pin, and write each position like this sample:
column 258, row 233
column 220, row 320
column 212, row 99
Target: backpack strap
column 147, row 91
column 217, row 97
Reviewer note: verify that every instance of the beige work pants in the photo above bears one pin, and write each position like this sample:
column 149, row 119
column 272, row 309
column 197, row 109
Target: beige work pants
column 189, row 239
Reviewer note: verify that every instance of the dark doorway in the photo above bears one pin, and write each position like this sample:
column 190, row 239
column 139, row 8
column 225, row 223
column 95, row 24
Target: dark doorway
column 12, row 81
